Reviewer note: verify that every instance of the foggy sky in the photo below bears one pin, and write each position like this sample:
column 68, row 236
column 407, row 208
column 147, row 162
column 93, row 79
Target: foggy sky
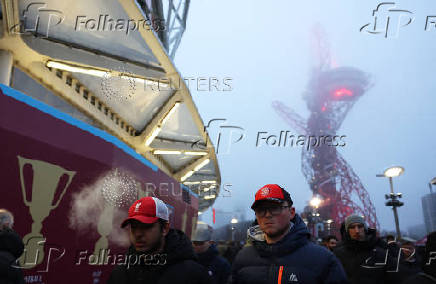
column 265, row 47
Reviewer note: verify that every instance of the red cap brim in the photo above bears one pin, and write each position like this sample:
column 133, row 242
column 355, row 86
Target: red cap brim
column 142, row 219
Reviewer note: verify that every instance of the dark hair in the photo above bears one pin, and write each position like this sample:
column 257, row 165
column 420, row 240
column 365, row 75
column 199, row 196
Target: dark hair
column 162, row 223
column 330, row 237
column 287, row 196
column 390, row 237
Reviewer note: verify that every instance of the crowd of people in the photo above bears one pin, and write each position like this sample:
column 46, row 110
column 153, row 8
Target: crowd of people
column 278, row 249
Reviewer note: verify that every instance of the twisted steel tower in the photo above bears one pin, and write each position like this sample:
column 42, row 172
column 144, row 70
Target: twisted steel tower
column 330, row 94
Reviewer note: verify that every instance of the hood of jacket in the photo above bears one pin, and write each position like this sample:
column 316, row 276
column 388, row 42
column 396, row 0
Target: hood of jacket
column 297, row 237
column 11, row 242
column 178, row 247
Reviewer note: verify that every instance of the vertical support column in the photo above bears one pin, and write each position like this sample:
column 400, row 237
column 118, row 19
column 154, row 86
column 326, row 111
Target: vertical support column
column 394, row 208
column 5, row 67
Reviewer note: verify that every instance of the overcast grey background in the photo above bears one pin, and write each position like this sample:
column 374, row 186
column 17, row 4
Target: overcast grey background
column 266, row 48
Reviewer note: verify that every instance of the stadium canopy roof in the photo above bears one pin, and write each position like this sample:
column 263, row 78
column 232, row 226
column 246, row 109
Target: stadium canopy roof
column 119, row 75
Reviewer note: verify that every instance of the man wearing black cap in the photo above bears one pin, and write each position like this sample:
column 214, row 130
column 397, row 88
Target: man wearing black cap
column 218, row 267
column 364, row 256
column 278, row 249
column 158, row 254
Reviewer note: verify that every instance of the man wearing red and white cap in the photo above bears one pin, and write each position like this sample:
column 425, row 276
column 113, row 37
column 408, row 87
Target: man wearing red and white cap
column 278, row 249
column 157, row 253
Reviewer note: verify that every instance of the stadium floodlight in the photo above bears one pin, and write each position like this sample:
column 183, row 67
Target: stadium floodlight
column 393, row 171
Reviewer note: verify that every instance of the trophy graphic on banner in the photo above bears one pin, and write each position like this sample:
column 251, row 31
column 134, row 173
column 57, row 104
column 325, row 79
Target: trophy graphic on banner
column 45, row 181
column 118, row 190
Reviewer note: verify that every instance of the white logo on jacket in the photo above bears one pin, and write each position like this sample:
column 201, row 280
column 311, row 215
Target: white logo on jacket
column 293, row 278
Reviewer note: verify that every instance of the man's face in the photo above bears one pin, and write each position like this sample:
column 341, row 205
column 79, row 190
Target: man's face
column 274, row 217
column 147, row 237
column 331, row 244
column 357, row 231
column 200, row 247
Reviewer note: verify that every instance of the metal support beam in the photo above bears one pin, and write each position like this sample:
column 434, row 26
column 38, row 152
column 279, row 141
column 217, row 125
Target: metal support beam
column 5, row 67
column 157, row 122
column 178, row 175
column 394, row 208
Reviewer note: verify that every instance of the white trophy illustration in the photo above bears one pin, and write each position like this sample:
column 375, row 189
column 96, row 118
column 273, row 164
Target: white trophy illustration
column 118, row 190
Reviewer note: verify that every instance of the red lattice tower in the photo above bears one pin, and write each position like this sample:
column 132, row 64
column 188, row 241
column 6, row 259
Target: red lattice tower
column 330, row 94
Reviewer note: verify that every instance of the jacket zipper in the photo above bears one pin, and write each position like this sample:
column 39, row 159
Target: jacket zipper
column 280, row 275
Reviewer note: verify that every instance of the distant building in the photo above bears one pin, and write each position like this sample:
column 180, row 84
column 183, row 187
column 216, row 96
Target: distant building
column 429, row 210
column 417, row 232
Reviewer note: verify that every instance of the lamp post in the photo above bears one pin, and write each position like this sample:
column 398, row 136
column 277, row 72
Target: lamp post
column 432, row 182
column 329, row 226
column 392, row 197
column 315, row 202
column 234, row 221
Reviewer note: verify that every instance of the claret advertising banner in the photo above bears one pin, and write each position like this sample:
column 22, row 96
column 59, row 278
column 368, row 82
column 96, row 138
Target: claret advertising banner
column 69, row 186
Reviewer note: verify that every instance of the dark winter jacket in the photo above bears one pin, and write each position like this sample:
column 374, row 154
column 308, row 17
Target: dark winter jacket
column 11, row 247
column 176, row 264
column 365, row 261
column 406, row 268
column 292, row 259
column 428, row 274
column 218, row 267
column 420, row 278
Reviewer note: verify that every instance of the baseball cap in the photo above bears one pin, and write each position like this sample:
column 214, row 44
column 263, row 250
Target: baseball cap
column 272, row 192
column 202, row 233
column 147, row 210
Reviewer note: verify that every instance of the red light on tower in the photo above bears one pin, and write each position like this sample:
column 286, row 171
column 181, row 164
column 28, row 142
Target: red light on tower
column 343, row 92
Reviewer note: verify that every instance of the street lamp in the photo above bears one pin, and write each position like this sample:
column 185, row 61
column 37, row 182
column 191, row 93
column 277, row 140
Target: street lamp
column 234, row 221
column 432, row 182
column 315, row 202
column 329, row 225
column 392, row 198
